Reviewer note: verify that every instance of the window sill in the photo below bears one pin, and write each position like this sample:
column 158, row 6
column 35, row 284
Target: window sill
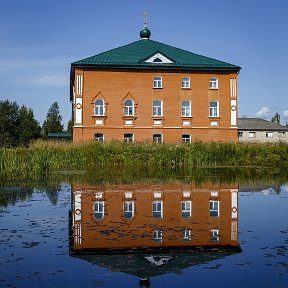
column 186, row 88
column 213, row 88
column 157, row 87
column 129, row 117
column 99, row 116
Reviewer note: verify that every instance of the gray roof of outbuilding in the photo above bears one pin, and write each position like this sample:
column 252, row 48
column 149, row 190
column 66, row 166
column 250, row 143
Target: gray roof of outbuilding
column 259, row 124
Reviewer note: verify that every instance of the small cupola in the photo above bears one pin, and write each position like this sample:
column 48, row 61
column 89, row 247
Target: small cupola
column 145, row 32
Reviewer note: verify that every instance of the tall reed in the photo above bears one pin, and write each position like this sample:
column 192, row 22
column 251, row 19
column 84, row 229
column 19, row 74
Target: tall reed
column 43, row 157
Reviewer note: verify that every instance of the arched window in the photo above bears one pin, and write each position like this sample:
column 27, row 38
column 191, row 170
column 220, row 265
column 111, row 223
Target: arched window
column 129, row 108
column 99, row 108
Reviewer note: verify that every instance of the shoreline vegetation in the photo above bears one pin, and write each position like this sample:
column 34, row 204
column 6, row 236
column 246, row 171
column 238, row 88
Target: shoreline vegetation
column 44, row 157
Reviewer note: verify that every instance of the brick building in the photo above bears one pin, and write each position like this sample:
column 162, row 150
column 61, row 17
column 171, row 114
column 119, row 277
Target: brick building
column 170, row 215
column 260, row 130
column 150, row 91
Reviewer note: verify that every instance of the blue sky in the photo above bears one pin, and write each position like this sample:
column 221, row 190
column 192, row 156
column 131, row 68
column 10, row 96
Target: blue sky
column 40, row 39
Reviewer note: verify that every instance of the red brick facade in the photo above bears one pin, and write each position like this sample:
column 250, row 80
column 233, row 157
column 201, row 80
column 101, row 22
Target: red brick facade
column 116, row 86
column 96, row 227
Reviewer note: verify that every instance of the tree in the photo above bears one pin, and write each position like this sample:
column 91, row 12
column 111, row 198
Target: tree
column 9, row 121
column 276, row 118
column 70, row 126
column 17, row 126
column 53, row 121
column 28, row 129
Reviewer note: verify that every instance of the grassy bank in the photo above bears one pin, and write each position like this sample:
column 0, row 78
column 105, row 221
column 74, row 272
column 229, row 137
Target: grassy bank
column 44, row 157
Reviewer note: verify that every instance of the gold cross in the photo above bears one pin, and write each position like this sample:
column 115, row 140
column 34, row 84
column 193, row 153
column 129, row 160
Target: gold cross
column 145, row 17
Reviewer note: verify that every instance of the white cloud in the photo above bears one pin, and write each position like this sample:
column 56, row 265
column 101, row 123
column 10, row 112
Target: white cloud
column 285, row 114
column 264, row 112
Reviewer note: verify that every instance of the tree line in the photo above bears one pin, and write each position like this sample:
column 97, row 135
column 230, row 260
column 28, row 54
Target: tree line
column 18, row 125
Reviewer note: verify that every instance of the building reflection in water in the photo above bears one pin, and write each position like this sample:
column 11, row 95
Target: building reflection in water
column 150, row 229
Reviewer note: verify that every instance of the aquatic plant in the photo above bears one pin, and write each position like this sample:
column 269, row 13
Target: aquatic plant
column 43, row 157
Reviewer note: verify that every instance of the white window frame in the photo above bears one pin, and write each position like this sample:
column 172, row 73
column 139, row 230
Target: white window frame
column 157, row 209
column 158, row 235
column 281, row 134
column 128, row 137
column 99, row 108
column 186, row 109
column 99, row 209
column 157, row 82
column 186, row 138
column 215, row 235
column 186, row 208
column 128, row 209
column 129, row 109
column 186, row 234
column 252, row 134
column 157, row 138
column 214, row 206
column 213, row 111
column 269, row 134
column 185, row 83
column 157, row 108
column 240, row 134
column 99, row 137
column 213, row 83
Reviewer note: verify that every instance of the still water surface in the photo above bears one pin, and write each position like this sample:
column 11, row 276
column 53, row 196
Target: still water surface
column 144, row 234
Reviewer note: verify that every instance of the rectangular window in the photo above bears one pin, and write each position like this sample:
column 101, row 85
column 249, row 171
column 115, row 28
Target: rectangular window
column 186, row 208
column 269, row 134
column 252, row 134
column 157, row 235
column 186, row 108
column 240, row 134
column 128, row 137
column 157, row 209
column 99, row 137
column 214, row 235
column 99, row 209
column 186, row 234
column 157, row 138
column 157, row 82
column 186, row 82
column 281, row 134
column 213, row 83
column 214, row 208
column 157, row 108
column 186, row 138
column 213, row 109
column 128, row 209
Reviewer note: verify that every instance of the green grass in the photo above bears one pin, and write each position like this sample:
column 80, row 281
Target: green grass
column 43, row 157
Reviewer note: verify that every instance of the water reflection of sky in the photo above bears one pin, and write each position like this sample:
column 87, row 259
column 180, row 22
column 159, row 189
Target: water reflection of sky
column 34, row 248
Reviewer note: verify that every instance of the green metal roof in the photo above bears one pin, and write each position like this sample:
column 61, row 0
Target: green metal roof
column 136, row 53
column 59, row 135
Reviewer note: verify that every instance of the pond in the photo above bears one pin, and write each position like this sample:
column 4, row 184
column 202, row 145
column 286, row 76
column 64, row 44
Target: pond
column 178, row 231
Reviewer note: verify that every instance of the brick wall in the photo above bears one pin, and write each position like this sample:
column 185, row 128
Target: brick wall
column 115, row 86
